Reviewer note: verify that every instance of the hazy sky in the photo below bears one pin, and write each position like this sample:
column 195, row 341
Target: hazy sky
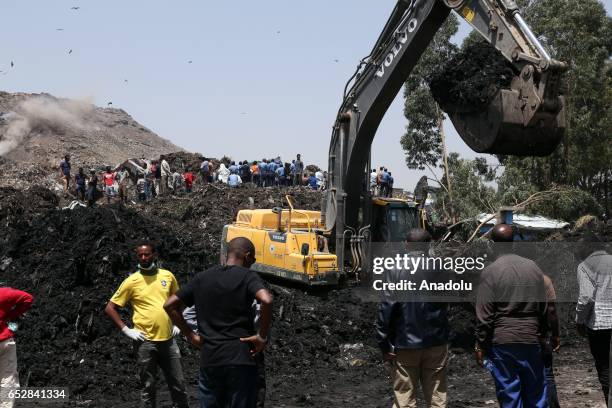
column 265, row 78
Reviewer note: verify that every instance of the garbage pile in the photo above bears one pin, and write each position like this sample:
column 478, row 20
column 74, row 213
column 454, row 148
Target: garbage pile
column 469, row 80
column 322, row 350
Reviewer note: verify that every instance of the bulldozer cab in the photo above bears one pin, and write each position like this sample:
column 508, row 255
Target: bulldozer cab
column 392, row 219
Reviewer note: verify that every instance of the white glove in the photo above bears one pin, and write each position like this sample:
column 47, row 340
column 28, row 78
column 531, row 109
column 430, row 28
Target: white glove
column 133, row 334
column 175, row 331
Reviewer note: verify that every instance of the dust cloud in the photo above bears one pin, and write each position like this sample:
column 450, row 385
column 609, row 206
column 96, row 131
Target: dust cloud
column 42, row 112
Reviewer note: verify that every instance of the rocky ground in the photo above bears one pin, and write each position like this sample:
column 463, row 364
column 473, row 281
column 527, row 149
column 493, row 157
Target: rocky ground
column 37, row 130
column 322, row 352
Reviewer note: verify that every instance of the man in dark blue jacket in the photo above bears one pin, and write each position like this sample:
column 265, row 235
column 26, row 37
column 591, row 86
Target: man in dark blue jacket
column 413, row 336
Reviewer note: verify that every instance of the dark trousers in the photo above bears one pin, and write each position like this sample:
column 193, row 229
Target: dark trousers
column 551, row 386
column 297, row 179
column 518, row 371
column 80, row 192
column 599, row 342
column 228, row 387
column 261, row 380
column 91, row 195
column 165, row 355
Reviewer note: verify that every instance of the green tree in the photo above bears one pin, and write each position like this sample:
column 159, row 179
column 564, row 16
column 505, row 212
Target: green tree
column 470, row 182
column 580, row 33
column 422, row 141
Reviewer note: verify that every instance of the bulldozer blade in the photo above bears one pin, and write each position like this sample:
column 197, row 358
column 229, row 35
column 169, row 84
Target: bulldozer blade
column 500, row 129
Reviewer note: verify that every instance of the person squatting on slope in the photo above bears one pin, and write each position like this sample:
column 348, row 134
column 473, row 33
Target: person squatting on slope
column 153, row 334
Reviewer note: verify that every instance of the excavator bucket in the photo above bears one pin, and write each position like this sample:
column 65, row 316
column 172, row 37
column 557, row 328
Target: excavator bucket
column 524, row 120
column 501, row 128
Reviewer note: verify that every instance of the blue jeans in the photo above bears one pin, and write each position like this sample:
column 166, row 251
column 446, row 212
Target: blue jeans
column 518, row 371
column 228, row 386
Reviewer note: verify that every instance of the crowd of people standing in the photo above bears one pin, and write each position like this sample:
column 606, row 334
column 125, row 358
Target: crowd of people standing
column 381, row 182
column 156, row 178
column 264, row 173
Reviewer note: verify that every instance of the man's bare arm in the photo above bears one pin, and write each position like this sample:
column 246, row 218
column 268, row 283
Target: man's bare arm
column 174, row 307
column 111, row 311
column 265, row 300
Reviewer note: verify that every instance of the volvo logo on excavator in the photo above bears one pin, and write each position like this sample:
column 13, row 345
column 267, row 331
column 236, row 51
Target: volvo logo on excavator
column 402, row 38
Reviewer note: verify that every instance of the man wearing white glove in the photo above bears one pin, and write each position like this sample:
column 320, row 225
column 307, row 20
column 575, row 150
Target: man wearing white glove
column 153, row 333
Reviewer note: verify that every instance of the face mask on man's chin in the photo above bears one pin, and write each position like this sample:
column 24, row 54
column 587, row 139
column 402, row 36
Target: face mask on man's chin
column 151, row 267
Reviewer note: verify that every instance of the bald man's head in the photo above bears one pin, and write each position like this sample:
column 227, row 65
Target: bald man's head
column 502, row 233
column 418, row 235
column 241, row 251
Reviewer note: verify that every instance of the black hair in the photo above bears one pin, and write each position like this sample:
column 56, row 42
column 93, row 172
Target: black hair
column 502, row 233
column 239, row 246
column 148, row 243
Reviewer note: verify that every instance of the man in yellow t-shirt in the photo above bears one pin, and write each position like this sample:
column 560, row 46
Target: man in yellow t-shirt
column 147, row 290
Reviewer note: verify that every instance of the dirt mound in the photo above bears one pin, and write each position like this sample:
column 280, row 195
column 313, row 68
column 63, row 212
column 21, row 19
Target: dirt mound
column 38, row 129
column 468, row 82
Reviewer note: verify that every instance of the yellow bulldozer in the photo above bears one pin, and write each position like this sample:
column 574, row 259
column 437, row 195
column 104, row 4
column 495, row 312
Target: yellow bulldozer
column 294, row 245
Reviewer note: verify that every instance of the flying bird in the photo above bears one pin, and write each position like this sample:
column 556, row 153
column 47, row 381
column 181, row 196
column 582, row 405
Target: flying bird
column 109, row 104
column 74, row 8
column 335, row 60
column 70, row 52
column 189, row 62
column 125, row 80
column 278, row 32
column 12, row 64
column 243, row 113
column 59, row 29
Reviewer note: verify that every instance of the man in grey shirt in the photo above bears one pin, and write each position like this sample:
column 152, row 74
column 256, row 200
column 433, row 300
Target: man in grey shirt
column 299, row 170
column 594, row 307
column 511, row 312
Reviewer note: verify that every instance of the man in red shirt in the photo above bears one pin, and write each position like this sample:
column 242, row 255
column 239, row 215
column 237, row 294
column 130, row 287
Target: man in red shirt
column 13, row 303
column 109, row 183
column 188, row 177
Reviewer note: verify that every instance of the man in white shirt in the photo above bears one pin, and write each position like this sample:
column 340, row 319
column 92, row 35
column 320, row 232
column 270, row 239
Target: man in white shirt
column 165, row 175
column 594, row 307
